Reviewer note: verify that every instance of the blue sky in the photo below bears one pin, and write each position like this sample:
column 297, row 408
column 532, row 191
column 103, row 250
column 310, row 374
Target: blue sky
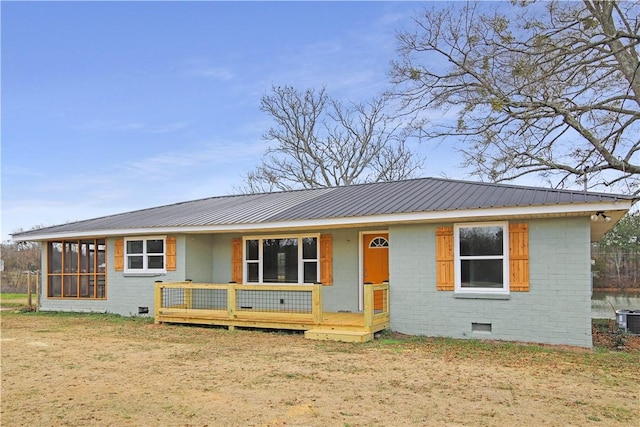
column 114, row 106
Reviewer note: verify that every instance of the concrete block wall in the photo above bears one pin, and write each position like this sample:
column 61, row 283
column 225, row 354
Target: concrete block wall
column 556, row 310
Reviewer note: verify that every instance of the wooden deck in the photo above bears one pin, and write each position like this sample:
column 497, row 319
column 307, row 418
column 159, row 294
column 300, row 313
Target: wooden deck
column 271, row 307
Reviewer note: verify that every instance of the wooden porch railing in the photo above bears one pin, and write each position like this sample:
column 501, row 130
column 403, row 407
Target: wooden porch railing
column 290, row 306
column 376, row 303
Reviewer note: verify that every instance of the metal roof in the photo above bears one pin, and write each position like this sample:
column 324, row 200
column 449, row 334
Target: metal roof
column 421, row 195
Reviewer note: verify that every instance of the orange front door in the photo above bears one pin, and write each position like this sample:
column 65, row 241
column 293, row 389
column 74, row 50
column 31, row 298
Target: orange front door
column 375, row 263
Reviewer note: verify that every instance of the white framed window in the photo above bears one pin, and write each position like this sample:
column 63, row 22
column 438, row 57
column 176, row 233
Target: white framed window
column 145, row 255
column 281, row 259
column 481, row 263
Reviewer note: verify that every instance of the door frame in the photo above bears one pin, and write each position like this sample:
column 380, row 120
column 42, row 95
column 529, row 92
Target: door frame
column 361, row 235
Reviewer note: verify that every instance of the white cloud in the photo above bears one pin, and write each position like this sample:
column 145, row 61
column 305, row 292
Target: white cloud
column 101, row 125
column 201, row 68
column 168, row 128
column 184, row 160
column 20, row 171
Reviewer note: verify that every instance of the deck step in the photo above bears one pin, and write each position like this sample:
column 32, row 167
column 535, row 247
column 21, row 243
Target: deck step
column 338, row 335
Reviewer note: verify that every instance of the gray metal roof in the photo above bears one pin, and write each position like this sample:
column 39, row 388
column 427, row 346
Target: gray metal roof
column 361, row 200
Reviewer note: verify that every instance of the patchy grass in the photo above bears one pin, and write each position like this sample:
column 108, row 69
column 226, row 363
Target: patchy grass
column 15, row 300
column 9, row 296
column 128, row 371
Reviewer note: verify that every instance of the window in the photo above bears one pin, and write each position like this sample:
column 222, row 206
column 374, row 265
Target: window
column 481, row 262
column 145, row 255
column 76, row 269
column 379, row 242
column 287, row 259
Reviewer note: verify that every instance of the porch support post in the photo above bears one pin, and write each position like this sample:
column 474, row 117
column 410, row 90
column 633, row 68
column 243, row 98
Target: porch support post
column 316, row 303
column 157, row 302
column 368, row 305
column 231, row 300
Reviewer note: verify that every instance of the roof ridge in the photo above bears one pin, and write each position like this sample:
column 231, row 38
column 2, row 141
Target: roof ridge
column 528, row 187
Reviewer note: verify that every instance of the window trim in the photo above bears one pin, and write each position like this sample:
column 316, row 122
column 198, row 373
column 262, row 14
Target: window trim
column 260, row 261
column 457, row 258
column 145, row 255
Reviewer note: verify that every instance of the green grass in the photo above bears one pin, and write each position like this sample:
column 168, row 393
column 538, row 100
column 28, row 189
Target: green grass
column 15, row 300
column 5, row 296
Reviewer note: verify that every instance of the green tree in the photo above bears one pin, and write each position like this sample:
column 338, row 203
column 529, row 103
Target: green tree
column 546, row 88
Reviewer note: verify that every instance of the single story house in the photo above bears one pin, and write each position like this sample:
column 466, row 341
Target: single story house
column 442, row 258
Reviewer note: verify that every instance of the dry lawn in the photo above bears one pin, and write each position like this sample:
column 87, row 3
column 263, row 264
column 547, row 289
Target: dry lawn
column 98, row 370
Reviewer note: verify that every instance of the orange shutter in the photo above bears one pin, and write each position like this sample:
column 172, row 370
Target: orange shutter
column 236, row 260
column 119, row 255
column 326, row 259
column 444, row 259
column 519, row 257
column 171, row 254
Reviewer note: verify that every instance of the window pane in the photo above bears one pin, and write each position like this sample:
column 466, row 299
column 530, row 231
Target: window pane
column 155, row 261
column 86, row 256
column 101, row 286
column 70, row 286
column 310, row 272
column 280, row 260
column 480, row 241
column 252, row 250
column 71, row 257
column 481, row 273
column 134, row 246
column 86, row 286
column 134, row 262
column 252, row 272
column 155, row 246
column 101, row 256
column 55, row 257
column 309, row 248
column 55, row 286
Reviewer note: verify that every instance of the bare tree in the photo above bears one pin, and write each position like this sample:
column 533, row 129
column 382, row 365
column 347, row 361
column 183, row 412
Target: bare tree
column 319, row 142
column 549, row 88
column 18, row 259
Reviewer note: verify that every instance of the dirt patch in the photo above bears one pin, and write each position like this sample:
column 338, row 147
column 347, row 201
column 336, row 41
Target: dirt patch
column 606, row 334
column 107, row 371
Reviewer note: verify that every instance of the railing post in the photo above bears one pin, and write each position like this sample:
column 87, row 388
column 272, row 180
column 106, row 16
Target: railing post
column 188, row 296
column 368, row 305
column 231, row 300
column 316, row 303
column 386, row 296
column 157, row 303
